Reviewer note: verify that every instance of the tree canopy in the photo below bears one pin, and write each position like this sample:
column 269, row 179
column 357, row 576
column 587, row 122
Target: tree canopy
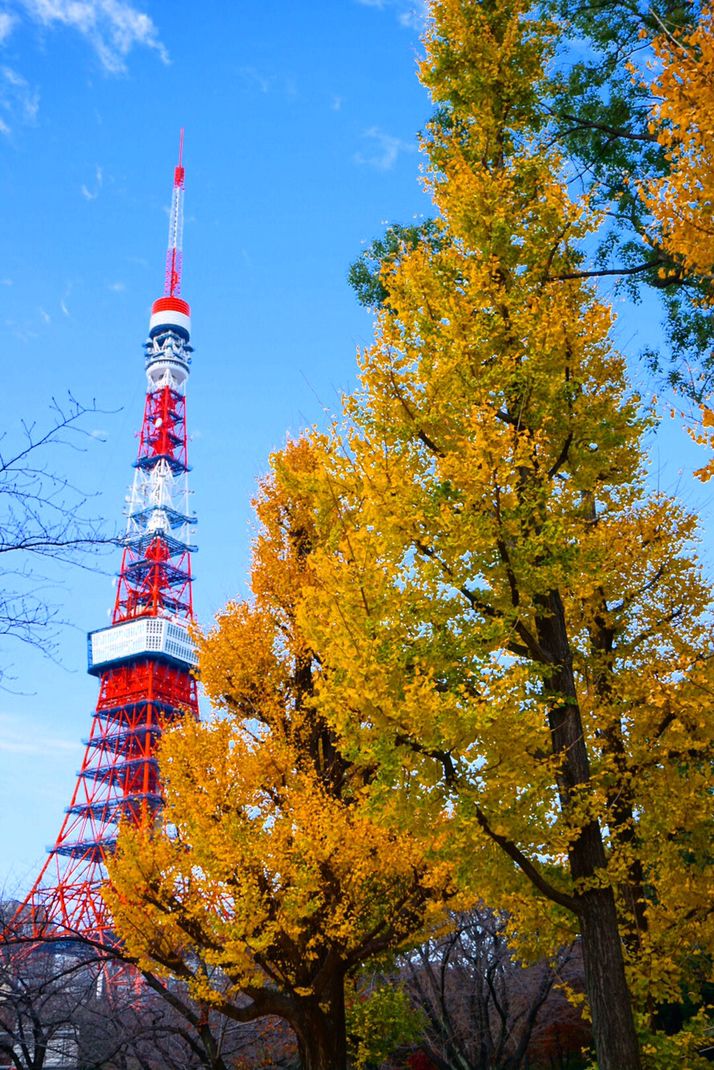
column 478, row 650
column 271, row 882
column 510, row 611
column 624, row 96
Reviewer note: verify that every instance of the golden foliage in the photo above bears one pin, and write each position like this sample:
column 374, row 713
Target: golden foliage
column 488, row 492
column 269, row 872
column 478, row 642
column 682, row 202
column 704, row 435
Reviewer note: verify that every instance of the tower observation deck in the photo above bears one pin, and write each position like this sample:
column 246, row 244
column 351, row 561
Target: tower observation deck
column 145, row 659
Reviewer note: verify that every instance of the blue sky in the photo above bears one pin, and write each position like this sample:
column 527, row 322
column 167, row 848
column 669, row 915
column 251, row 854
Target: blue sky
column 301, row 124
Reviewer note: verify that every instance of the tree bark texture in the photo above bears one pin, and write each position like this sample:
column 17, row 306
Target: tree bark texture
column 615, row 1038
column 322, row 1032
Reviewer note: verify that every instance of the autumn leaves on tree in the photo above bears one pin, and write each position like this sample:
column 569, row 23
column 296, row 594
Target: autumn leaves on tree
column 477, row 655
column 271, row 883
column 681, row 200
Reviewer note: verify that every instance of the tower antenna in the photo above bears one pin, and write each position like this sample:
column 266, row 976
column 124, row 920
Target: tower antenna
column 174, row 253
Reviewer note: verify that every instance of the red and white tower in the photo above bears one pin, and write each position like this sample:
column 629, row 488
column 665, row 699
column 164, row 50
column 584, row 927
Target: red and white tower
column 145, row 659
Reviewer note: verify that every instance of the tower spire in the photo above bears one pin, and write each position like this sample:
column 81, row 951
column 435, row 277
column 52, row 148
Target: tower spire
column 145, row 659
column 174, row 252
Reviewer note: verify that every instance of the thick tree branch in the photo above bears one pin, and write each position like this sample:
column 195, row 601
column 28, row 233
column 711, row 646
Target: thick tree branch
column 637, row 269
column 562, row 456
column 605, row 128
column 527, row 867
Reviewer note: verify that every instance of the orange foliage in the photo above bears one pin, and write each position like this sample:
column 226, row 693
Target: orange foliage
column 270, row 880
column 682, row 202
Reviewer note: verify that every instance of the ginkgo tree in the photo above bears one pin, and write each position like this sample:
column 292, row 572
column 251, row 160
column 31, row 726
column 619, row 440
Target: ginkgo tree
column 625, row 98
column 478, row 647
column 600, row 99
column 269, row 883
column 514, row 623
column 681, row 202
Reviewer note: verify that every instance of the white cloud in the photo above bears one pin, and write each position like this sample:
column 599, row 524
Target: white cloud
column 386, row 149
column 22, row 331
column 17, row 736
column 18, row 99
column 117, row 287
column 269, row 83
column 337, row 103
column 42, row 746
column 92, row 194
column 7, row 23
column 414, row 18
column 262, row 81
column 12, row 77
column 113, row 27
column 410, row 13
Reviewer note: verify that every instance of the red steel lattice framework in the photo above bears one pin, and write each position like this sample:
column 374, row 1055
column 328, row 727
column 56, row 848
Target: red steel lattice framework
column 145, row 659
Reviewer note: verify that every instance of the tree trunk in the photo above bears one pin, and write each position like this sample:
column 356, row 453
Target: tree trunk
column 621, row 803
column 614, row 1032
column 608, row 995
column 211, row 1058
column 322, row 1032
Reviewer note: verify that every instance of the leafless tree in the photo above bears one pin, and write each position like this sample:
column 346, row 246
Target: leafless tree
column 43, row 515
column 67, row 1004
column 42, row 997
column 485, row 1011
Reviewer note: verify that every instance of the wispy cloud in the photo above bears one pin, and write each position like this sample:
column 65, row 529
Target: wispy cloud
column 112, row 27
column 337, row 103
column 64, row 298
column 268, row 83
column 22, row 331
column 385, row 150
column 414, row 18
column 19, row 101
column 19, row 737
column 92, row 194
column 117, row 287
column 410, row 13
column 253, row 76
column 48, row 746
column 7, row 24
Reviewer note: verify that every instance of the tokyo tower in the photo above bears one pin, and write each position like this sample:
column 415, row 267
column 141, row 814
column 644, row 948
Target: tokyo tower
column 144, row 660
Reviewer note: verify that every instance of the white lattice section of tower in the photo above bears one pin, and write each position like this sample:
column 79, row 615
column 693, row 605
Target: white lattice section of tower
column 159, row 502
